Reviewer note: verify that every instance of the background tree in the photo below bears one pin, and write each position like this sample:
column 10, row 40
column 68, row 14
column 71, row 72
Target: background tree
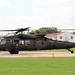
column 44, row 31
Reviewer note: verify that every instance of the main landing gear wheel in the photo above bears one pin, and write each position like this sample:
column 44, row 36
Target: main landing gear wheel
column 11, row 52
column 14, row 52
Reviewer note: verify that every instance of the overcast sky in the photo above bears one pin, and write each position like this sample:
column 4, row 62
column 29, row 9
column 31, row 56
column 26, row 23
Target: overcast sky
column 37, row 13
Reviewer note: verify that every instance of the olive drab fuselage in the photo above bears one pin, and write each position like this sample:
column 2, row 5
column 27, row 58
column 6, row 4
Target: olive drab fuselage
column 20, row 41
column 17, row 44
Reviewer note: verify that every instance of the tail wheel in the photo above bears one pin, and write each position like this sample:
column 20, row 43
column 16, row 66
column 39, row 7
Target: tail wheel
column 72, row 51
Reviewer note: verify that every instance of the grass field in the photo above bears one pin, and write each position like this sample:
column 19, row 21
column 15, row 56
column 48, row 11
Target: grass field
column 53, row 50
column 37, row 66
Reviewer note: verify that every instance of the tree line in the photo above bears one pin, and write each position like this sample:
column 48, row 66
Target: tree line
column 44, row 31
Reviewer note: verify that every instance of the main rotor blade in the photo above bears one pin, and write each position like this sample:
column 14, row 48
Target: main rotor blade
column 18, row 30
column 7, row 30
column 22, row 29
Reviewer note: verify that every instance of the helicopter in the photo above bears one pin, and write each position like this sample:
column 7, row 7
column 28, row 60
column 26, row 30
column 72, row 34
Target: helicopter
column 21, row 41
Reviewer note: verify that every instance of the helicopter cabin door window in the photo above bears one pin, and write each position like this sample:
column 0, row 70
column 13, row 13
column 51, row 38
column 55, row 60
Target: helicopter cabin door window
column 21, row 42
column 60, row 37
column 27, row 42
column 71, row 37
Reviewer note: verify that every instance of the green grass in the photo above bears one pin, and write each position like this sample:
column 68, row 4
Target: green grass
column 37, row 66
column 53, row 50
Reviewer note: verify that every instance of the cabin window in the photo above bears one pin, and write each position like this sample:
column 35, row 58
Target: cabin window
column 11, row 41
column 60, row 37
column 71, row 37
column 21, row 42
column 27, row 42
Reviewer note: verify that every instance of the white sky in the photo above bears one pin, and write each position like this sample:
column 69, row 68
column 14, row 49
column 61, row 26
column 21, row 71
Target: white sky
column 16, row 14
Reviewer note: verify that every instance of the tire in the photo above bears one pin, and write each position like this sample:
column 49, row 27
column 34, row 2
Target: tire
column 11, row 52
column 16, row 52
column 72, row 51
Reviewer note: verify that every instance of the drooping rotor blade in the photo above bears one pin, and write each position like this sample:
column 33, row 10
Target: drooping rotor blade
column 7, row 30
column 22, row 29
column 18, row 30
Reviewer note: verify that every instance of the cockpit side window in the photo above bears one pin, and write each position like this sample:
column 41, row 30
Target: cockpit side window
column 3, row 41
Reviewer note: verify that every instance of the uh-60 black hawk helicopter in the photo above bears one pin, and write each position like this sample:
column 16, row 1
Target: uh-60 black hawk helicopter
column 20, row 41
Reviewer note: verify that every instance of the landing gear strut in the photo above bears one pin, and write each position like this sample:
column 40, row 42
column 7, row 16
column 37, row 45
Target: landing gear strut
column 70, row 50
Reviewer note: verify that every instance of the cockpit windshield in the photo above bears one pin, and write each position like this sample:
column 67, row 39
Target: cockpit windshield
column 9, row 34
